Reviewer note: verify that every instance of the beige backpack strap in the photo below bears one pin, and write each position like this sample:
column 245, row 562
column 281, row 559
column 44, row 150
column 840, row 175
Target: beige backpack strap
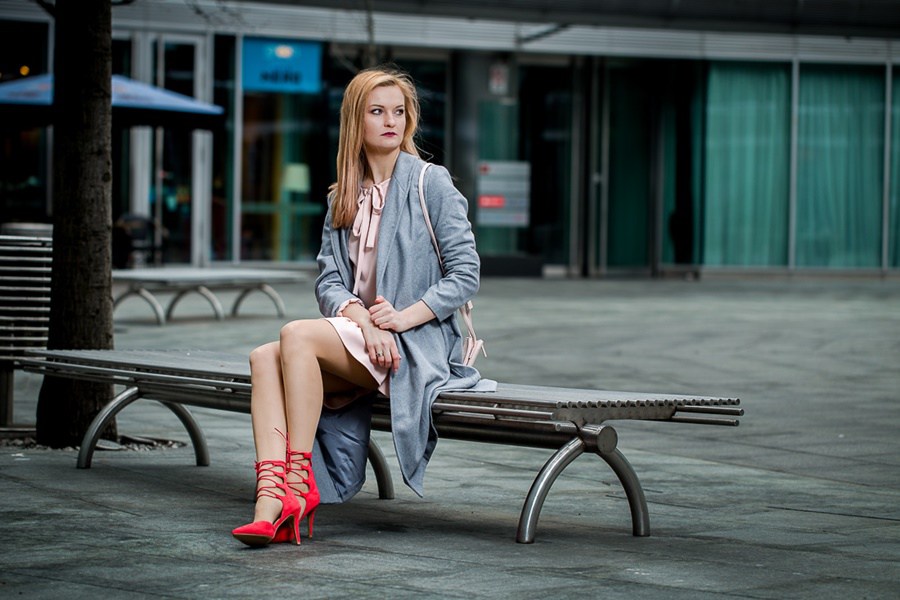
column 472, row 345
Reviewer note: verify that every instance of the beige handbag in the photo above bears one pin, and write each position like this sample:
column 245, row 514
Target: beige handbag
column 472, row 345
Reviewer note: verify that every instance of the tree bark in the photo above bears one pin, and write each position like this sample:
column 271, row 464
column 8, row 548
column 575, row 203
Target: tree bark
column 81, row 295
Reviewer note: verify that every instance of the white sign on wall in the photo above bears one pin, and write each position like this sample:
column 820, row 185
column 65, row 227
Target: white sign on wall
column 503, row 189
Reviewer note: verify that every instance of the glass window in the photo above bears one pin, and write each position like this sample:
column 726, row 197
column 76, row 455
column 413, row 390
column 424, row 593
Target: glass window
column 840, row 166
column 546, row 143
column 171, row 201
column 894, row 232
column 747, row 174
column 533, row 128
column 23, row 153
column 223, row 195
column 630, row 165
column 121, row 137
column 284, row 163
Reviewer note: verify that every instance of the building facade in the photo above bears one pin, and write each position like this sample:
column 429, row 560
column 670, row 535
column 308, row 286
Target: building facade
column 584, row 149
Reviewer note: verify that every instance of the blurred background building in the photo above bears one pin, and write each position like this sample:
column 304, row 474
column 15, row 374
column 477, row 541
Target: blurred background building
column 591, row 137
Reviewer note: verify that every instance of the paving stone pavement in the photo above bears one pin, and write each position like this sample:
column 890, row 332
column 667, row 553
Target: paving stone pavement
column 801, row 501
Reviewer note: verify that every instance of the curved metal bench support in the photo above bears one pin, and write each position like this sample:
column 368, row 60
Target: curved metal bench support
column 640, row 515
column 116, row 405
column 266, row 289
column 198, row 440
column 150, row 298
column 531, row 511
column 601, row 440
column 382, row 472
column 107, row 414
column 203, row 291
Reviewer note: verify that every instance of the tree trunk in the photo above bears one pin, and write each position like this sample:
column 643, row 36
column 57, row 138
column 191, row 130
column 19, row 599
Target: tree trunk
column 81, row 295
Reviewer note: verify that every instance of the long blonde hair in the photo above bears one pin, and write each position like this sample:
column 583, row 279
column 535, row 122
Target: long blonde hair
column 351, row 156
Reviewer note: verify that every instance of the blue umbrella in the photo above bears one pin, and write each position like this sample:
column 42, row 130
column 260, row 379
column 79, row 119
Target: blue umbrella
column 28, row 102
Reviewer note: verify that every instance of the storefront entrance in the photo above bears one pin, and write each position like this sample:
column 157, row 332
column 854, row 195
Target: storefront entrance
column 163, row 174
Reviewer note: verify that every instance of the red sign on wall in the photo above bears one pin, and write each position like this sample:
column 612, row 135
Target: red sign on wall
column 491, row 201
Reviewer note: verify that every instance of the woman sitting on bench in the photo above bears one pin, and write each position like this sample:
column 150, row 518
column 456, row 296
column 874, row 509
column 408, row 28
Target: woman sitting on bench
column 389, row 321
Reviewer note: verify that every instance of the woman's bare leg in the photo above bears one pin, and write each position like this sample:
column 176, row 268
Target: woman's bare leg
column 289, row 379
column 267, row 414
column 309, row 348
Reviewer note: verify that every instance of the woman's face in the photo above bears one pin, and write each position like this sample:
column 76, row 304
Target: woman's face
column 385, row 120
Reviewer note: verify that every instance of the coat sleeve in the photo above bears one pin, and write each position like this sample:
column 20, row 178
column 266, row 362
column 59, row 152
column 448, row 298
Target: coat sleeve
column 449, row 212
column 331, row 290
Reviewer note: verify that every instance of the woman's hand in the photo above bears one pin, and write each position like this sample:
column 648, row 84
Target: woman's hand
column 385, row 316
column 382, row 347
column 380, row 344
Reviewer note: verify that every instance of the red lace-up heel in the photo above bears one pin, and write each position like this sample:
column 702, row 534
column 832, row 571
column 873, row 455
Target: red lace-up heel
column 301, row 462
column 260, row 533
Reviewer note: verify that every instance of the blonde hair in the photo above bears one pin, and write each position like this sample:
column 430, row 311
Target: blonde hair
column 351, row 156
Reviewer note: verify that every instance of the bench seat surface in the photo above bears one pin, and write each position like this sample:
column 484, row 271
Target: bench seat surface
column 227, row 366
column 193, row 276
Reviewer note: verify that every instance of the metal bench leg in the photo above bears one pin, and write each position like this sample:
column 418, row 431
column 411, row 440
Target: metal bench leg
column 531, row 511
column 266, row 289
column 203, row 291
column 382, row 472
column 198, row 440
column 150, row 298
column 640, row 516
column 107, row 414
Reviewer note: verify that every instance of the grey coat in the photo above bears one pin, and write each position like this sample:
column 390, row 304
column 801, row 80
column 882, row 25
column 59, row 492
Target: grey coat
column 407, row 270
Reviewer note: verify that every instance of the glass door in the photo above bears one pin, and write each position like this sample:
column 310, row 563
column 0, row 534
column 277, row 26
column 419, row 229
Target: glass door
column 284, row 170
column 170, row 167
column 170, row 197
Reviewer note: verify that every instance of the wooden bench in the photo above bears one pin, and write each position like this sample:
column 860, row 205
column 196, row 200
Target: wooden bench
column 185, row 280
column 25, row 275
column 569, row 421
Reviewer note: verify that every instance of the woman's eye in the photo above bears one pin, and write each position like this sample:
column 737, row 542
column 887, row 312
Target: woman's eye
column 376, row 111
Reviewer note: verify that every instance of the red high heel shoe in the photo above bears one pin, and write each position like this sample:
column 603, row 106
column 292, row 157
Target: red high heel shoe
column 302, row 462
column 298, row 462
column 260, row 533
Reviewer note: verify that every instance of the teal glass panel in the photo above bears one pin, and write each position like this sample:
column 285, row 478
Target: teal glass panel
column 840, row 166
column 669, row 176
column 894, row 232
column 498, row 139
column 629, row 166
column 747, row 171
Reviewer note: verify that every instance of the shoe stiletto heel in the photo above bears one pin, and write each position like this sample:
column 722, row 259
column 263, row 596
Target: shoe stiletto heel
column 301, row 462
column 260, row 533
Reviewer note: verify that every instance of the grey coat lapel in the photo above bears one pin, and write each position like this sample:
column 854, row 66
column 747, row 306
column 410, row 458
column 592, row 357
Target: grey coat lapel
column 398, row 193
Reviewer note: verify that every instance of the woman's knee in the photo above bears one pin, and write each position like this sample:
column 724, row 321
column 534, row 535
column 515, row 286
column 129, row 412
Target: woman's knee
column 267, row 356
column 298, row 337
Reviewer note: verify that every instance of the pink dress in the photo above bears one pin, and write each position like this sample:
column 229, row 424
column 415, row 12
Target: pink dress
column 363, row 248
